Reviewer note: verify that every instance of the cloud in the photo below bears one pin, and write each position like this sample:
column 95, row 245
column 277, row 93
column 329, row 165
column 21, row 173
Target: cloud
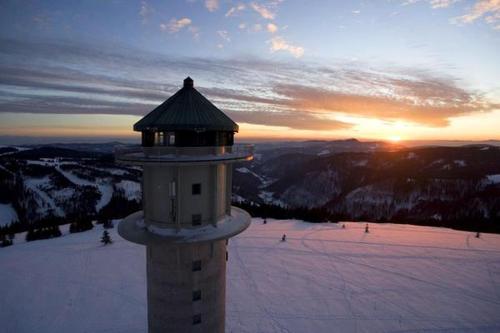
column 234, row 10
column 257, row 27
column 280, row 44
column 224, row 35
column 263, row 11
column 47, row 77
column 442, row 3
column 175, row 25
column 433, row 3
column 212, row 5
column 429, row 112
column 195, row 31
column 487, row 9
column 272, row 28
column 145, row 11
column 301, row 120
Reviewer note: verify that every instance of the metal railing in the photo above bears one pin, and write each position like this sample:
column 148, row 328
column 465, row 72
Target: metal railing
column 136, row 153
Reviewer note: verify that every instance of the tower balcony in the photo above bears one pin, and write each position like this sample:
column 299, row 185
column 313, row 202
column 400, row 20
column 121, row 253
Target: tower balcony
column 134, row 229
column 172, row 155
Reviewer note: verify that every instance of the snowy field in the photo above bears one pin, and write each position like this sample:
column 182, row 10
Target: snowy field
column 324, row 278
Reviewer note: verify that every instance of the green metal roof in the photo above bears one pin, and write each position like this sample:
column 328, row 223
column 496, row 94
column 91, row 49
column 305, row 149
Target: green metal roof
column 189, row 110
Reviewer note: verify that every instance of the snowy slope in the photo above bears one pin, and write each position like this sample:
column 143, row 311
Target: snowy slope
column 44, row 200
column 105, row 189
column 7, row 214
column 324, row 278
column 131, row 189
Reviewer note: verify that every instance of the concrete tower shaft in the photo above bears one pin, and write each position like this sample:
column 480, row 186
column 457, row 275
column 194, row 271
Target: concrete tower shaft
column 186, row 155
column 196, row 195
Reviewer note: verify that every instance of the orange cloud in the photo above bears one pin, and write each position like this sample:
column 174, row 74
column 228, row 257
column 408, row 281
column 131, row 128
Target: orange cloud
column 489, row 9
column 175, row 25
column 280, row 44
column 420, row 105
column 212, row 5
column 263, row 11
column 302, row 96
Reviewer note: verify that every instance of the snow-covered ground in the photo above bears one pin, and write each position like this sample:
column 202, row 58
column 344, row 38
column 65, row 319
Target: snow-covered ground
column 494, row 179
column 131, row 189
column 103, row 185
column 324, row 278
column 38, row 186
column 104, row 188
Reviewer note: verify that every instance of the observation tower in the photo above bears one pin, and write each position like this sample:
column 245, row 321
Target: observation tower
column 186, row 156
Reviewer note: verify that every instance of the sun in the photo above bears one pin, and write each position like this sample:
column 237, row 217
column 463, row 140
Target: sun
column 395, row 139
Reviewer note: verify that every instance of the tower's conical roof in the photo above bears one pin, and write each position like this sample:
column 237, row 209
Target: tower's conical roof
column 188, row 110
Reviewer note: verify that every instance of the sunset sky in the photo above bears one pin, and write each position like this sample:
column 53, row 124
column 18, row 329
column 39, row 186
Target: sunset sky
column 282, row 69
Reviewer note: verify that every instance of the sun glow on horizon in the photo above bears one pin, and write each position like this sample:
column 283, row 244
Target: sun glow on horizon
column 395, row 139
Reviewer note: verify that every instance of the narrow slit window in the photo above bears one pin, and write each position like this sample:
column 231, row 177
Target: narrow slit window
column 172, row 188
column 196, row 189
column 197, row 266
column 197, row 319
column 196, row 219
column 196, row 295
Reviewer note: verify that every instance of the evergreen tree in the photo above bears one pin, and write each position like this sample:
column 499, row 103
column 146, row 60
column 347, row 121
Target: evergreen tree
column 55, row 231
column 30, row 235
column 80, row 225
column 106, row 239
column 5, row 241
column 108, row 224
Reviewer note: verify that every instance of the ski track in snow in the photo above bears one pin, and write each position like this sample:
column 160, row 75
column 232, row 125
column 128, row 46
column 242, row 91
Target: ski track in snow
column 7, row 170
column 106, row 190
column 43, row 199
column 396, row 278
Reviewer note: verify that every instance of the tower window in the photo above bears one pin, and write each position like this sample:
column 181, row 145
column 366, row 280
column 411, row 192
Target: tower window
column 196, row 295
column 196, row 265
column 196, row 219
column 197, row 319
column 172, row 188
column 160, row 138
column 196, row 189
column 171, row 139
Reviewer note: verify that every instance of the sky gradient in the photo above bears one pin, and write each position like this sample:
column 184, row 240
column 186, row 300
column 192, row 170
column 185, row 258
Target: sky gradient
column 411, row 70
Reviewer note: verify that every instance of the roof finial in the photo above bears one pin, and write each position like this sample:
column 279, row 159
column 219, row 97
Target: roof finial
column 188, row 82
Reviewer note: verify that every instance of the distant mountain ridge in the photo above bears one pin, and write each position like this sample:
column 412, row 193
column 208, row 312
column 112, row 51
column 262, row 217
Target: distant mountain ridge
column 451, row 186
column 352, row 180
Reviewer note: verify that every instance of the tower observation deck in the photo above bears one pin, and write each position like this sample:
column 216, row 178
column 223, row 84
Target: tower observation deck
column 186, row 155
